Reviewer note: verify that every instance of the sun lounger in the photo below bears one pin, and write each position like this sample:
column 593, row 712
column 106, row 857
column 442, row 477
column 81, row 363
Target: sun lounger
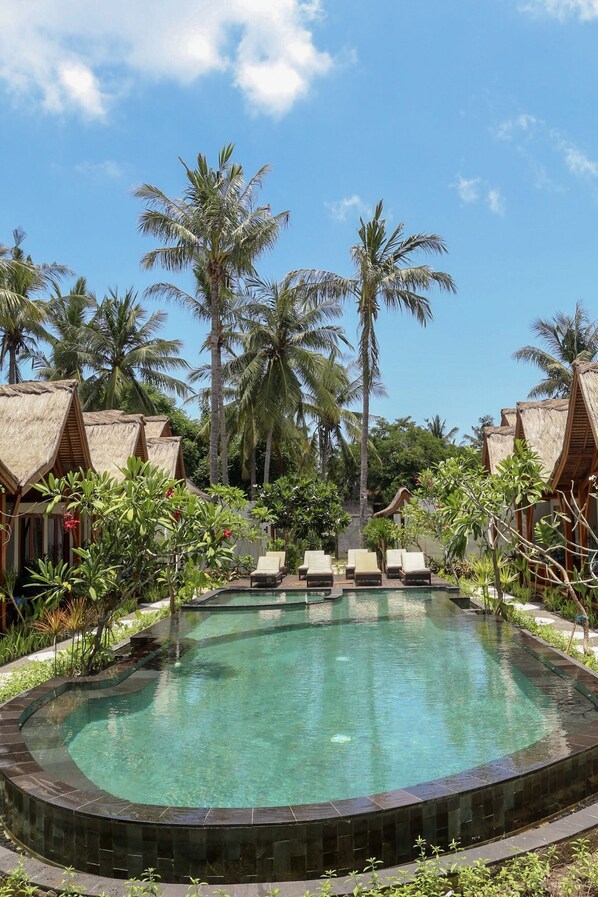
column 319, row 572
column 367, row 570
column 352, row 554
column 307, row 558
column 394, row 562
column 414, row 568
column 267, row 572
column 282, row 555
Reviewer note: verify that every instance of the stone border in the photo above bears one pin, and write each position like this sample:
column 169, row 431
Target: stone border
column 101, row 834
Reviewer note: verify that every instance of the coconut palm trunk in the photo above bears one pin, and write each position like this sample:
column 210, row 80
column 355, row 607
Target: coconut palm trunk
column 267, row 457
column 363, row 469
column 216, row 384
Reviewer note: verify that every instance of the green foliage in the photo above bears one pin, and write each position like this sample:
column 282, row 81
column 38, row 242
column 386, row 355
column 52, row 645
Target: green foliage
column 400, row 451
column 379, row 534
column 145, row 531
column 303, row 510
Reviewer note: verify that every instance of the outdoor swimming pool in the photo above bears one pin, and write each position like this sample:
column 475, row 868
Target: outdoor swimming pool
column 335, row 700
column 254, row 741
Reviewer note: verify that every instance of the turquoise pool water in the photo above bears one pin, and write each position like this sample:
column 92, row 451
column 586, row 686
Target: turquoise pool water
column 369, row 693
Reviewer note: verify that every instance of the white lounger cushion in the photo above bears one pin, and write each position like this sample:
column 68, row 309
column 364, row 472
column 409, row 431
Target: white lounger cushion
column 367, row 562
column 353, row 554
column 320, row 564
column 267, row 565
column 310, row 555
column 394, row 557
column 413, row 562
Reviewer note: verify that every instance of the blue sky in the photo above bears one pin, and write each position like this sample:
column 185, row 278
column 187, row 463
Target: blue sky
column 474, row 119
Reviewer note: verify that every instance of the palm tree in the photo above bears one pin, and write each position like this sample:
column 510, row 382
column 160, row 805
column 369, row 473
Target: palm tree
column 216, row 227
column 68, row 337
column 437, row 428
column 286, row 332
column 198, row 304
column 23, row 284
column 567, row 339
column 384, row 274
column 126, row 355
column 476, row 438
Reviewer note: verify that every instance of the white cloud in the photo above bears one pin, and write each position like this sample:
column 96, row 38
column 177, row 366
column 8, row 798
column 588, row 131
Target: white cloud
column 578, row 163
column 521, row 123
column 468, row 188
column 496, row 202
column 106, row 169
column 74, row 61
column 561, row 9
column 342, row 208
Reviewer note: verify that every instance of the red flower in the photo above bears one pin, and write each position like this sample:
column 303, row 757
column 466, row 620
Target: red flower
column 169, row 492
column 227, row 533
column 69, row 523
column 177, row 515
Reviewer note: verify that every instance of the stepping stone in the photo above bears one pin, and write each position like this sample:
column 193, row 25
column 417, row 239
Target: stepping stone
column 544, row 621
column 42, row 655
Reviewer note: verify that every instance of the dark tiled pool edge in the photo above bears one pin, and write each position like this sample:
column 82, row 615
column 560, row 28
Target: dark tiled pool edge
column 101, row 835
column 580, row 823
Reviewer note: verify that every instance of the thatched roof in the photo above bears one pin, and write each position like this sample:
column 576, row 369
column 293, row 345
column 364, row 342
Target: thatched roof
column 402, row 496
column 167, row 454
column 41, row 430
column 577, row 461
column 113, row 438
column 157, row 425
column 542, row 425
column 508, row 417
column 498, row 445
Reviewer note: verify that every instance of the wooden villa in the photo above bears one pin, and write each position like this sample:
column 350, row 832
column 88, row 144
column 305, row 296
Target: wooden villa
column 577, row 467
column 156, row 426
column 41, row 432
column 508, row 417
column 166, row 452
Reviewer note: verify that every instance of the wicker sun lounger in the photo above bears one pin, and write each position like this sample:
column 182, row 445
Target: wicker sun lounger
column 353, row 553
column 414, row 568
column 307, row 558
column 267, row 572
column 394, row 562
column 367, row 570
column 319, row 572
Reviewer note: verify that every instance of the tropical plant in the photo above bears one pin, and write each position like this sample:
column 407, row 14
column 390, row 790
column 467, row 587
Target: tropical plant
column 567, row 338
column 437, row 428
column 379, row 534
column 218, row 230
column 284, row 333
column 384, row 274
column 302, row 509
column 24, row 286
column 66, row 331
column 475, row 439
column 126, row 355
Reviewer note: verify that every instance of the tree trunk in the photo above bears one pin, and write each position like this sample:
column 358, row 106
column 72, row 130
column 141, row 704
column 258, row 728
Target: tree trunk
column 12, row 365
column 497, row 583
column 216, row 383
column 223, row 444
column 252, row 473
column 324, row 441
column 267, row 457
column 363, row 474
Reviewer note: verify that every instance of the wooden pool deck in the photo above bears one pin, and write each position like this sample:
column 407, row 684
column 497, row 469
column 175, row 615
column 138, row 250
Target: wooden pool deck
column 292, row 581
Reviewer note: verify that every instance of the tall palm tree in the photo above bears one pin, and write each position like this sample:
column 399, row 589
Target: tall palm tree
column 567, row 339
column 218, row 228
column 384, row 274
column 198, row 304
column 286, row 332
column 126, row 355
column 437, row 428
column 67, row 333
column 23, row 287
